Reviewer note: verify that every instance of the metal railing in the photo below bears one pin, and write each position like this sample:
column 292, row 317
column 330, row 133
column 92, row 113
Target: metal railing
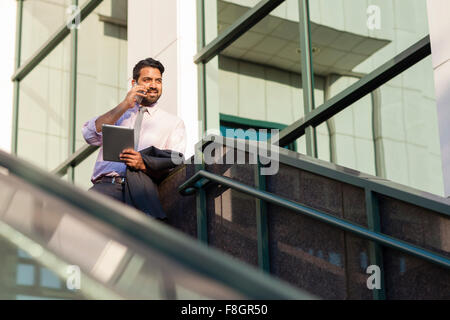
column 74, row 160
column 202, row 177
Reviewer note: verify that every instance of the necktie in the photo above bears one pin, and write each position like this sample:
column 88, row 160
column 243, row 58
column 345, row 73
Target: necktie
column 137, row 126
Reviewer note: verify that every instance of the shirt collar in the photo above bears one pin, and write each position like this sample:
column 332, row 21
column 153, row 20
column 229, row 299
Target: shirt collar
column 151, row 109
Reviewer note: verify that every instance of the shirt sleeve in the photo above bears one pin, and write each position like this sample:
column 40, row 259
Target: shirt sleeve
column 177, row 140
column 90, row 133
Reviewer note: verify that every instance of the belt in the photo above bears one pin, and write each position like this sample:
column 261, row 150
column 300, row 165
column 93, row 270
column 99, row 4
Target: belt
column 113, row 180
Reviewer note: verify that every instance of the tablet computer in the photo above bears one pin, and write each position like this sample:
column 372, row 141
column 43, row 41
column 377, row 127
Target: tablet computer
column 115, row 140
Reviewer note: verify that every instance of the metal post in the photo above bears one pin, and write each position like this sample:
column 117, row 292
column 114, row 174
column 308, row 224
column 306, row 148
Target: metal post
column 375, row 250
column 15, row 120
column 307, row 74
column 261, row 222
column 200, row 197
column 73, row 97
column 380, row 169
column 201, row 67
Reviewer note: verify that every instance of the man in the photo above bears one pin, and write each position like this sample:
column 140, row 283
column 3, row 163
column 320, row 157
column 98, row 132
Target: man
column 139, row 109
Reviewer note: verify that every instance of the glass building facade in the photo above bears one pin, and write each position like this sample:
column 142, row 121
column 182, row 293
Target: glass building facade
column 83, row 76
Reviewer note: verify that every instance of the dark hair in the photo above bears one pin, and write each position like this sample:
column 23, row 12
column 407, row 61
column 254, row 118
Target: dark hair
column 149, row 62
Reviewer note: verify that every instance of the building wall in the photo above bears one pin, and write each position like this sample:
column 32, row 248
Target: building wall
column 7, row 34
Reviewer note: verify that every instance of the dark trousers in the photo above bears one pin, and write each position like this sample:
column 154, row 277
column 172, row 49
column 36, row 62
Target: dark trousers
column 115, row 191
column 109, row 189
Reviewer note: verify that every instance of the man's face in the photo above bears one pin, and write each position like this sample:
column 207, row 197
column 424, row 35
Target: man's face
column 151, row 78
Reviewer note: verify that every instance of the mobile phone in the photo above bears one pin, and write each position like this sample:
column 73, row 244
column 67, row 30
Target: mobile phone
column 139, row 98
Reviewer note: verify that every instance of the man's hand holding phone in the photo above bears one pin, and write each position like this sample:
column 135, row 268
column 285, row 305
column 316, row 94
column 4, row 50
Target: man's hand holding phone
column 136, row 94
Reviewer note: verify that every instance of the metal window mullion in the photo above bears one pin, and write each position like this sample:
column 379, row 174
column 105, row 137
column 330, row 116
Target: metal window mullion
column 200, row 196
column 307, row 74
column 201, row 68
column 201, row 73
column 261, row 221
column 73, row 97
column 375, row 249
column 380, row 168
column 15, row 117
column 16, row 92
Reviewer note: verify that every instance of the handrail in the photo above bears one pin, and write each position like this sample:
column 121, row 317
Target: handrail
column 238, row 28
column 75, row 159
column 161, row 238
column 202, row 177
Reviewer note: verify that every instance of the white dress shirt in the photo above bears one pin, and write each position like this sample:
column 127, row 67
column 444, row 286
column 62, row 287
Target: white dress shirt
column 159, row 128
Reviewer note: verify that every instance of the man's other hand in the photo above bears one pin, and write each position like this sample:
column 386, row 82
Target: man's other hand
column 133, row 159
